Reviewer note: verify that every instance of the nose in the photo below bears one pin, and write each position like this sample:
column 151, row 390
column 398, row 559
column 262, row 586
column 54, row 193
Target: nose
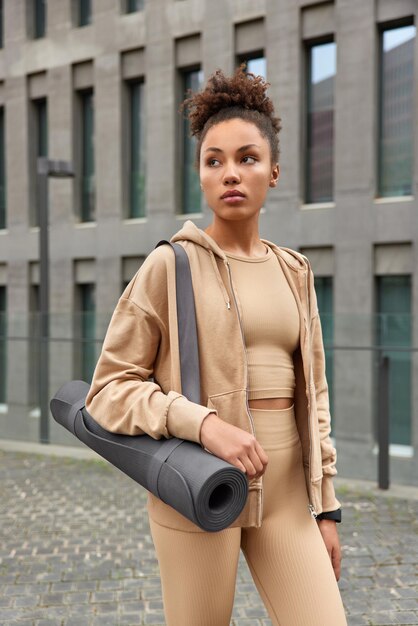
column 231, row 174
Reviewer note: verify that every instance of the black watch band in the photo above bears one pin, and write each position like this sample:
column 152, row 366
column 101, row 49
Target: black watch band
column 332, row 515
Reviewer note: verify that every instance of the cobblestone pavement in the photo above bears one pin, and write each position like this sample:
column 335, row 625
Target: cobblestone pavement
column 75, row 550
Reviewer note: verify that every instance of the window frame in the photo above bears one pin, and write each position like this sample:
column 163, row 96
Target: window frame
column 307, row 46
column 382, row 27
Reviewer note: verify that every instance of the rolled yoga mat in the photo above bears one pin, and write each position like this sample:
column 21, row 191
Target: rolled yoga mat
column 207, row 490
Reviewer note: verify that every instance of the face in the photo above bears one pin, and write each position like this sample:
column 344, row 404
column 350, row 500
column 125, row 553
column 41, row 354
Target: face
column 236, row 169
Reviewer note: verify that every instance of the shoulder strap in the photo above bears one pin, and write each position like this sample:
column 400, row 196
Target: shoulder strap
column 187, row 329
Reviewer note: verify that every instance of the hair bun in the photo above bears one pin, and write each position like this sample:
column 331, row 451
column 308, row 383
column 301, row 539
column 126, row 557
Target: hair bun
column 244, row 90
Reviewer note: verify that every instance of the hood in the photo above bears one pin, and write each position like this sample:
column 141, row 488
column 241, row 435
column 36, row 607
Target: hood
column 191, row 232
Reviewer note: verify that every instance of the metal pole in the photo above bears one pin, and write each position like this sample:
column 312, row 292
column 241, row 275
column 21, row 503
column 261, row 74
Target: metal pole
column 43, row 298
column 383, row 422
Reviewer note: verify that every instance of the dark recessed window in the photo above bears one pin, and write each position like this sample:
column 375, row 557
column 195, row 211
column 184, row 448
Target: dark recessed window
column 136, row 149
column 87, row 157
column 324, row 294
column 39, row 18
column 319, row 165
column 83, row 11
column 34, row 345
column 396, row 115
column 3, row 343
column 394, row 330
column 191, row 194
column 3, row 220
column 1, row 24
column 85, row 331
column 132, row 6
column 40, row 148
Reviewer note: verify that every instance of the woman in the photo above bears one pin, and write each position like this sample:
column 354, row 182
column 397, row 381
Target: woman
column 264, row 397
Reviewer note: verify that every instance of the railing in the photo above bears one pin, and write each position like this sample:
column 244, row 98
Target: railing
column 374, row 401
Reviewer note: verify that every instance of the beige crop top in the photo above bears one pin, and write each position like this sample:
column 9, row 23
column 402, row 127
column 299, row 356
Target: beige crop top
column 271, row 324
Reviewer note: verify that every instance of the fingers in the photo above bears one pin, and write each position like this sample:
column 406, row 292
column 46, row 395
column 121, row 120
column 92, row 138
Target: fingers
column 255, row 460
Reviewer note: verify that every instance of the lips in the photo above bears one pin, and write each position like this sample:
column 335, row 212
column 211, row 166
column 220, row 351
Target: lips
column 232, row 193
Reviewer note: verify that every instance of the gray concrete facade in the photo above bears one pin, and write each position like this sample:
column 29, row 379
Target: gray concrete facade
column 357, row 232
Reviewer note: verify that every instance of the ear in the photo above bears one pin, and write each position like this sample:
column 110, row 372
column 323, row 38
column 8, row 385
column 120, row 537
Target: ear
column 275, row 174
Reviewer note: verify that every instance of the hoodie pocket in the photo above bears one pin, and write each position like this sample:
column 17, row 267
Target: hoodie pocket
column 232, row 408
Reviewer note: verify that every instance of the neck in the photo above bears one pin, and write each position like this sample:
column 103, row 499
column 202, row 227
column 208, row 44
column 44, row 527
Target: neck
column 240, row 237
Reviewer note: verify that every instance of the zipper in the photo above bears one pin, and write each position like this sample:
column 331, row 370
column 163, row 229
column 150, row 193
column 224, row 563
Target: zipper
column 245, row 349
column 311, row 507
column 246, row 371
column 312, row 511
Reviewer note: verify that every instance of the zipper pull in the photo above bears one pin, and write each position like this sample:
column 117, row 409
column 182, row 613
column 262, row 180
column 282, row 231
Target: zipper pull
column 228, row 305
column 312, row 511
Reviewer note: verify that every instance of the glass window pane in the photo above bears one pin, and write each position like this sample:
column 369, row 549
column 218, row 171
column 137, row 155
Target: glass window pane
column 192, row 197
column 1, row 24
column 322, row 67
column 34, row 345
column 394, row 328
column 324, row 294
column 88, row 331
column 42, row 127
column 256, row 65
column 137, row 150
column 134, row 5
column 2, row 171
column 396, row 132
column 40, row 137
column 87, row 157
column 3, row 344
column 84, row 12
column 39, row 18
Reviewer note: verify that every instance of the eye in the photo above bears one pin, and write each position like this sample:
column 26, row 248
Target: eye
column 249, row 159
column 213, row 162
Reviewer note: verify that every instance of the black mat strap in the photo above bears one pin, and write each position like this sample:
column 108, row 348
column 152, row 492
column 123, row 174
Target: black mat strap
column 157, row 461
column 187, row 329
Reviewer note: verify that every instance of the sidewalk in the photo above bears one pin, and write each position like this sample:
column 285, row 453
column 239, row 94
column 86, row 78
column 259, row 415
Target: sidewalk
column 75, row 548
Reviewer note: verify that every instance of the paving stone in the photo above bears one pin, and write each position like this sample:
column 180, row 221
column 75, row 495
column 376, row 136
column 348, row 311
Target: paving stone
column 77, row 551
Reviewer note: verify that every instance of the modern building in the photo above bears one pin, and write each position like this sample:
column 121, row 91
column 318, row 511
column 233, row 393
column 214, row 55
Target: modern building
column 99, row 83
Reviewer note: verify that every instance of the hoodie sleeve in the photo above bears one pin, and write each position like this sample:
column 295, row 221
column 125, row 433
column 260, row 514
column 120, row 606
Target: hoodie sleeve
column 122, row 398
column 328, row 452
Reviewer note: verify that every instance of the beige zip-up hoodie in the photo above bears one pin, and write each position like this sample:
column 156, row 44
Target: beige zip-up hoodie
column 142, row 343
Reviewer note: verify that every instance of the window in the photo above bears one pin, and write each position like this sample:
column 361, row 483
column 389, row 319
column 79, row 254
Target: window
column 2, row 171
column 319, row 180
column 1, row 24
column 86, row 331
column 34, row 345
column 255, row 64
column 131, row 6
column 136, row 155
column 396, row 115
column 324, row 294
column 83, row 12
column 39, row 18
column 394, row 328
column 87, row 182
column 191, row 194
column 40, row 148
column 3, row 344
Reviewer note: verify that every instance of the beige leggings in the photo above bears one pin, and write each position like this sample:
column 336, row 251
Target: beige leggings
column 286, row 556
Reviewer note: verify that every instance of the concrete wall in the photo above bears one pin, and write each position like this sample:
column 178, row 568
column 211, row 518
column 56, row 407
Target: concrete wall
column 167, row 35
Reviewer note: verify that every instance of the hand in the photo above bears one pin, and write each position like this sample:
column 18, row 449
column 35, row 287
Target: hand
column 234, row 445
column 329, row 534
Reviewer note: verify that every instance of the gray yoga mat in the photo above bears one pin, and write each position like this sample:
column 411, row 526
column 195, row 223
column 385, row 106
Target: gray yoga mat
column 207, row 490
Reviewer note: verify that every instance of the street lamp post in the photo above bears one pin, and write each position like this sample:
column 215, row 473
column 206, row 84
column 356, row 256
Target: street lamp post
column 55, row 169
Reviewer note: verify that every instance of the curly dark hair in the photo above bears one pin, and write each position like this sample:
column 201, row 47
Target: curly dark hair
column 243, row 96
